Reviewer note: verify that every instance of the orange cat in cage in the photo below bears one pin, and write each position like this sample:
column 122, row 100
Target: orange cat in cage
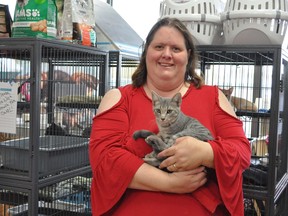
column 89, row 80
column 239, row 103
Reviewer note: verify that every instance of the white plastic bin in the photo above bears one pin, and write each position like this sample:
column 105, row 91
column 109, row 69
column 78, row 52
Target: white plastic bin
column 202, row 18
column 255, row 21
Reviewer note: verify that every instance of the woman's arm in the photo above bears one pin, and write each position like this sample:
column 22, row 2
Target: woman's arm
column 150, row 178
column 109, row 100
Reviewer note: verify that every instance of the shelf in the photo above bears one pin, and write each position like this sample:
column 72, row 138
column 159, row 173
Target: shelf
column 253, row 114
column 78, row 105
column 23, row 105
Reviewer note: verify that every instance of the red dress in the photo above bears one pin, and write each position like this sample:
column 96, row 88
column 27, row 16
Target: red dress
column 115, row 157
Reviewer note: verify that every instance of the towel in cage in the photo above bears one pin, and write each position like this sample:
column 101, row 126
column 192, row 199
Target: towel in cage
column 255, row 21
column 49, row 208
column 65, row 188
column 201, row 17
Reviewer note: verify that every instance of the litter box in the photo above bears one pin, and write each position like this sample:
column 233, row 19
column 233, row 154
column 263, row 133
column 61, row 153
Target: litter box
column 56, row 153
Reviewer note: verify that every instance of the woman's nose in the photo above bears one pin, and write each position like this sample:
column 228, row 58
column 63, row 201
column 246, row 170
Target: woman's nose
column 167, row 52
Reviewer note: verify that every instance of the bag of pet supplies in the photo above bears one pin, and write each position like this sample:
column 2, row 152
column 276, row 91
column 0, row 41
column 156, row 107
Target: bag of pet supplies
column 35, row 18
column 78, row 22
column 5, row 22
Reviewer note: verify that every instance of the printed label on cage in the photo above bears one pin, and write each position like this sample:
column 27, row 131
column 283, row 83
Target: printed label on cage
column 8, row 107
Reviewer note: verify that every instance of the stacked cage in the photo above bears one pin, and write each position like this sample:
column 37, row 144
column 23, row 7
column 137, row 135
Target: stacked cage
column 254, row 79
column 255, row 21
column 121, row 68
column 45, row 166
column 202, row 18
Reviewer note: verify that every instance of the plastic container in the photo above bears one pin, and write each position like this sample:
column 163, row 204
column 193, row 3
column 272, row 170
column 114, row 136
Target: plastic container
column 45, row 208
column 255, row 21
column 56, row 153
column 202, row 18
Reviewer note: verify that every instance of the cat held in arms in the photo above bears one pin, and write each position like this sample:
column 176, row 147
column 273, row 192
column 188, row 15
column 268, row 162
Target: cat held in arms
column 172, row 124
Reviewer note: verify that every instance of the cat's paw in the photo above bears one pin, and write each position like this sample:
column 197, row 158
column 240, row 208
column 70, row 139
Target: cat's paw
column 152, row 140
column 156, row 143
column 152, row 161
column 141, row 134
column 151, row 155
column 170, row 142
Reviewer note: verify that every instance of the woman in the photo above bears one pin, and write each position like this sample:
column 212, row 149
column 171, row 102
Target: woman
column 123, row 184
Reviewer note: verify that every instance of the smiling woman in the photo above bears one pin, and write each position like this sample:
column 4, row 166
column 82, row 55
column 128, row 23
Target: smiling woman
column 167, row 66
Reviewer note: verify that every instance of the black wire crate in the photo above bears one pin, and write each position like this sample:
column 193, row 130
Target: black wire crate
column 67, row 197
column 254, row 80
column 59, row 87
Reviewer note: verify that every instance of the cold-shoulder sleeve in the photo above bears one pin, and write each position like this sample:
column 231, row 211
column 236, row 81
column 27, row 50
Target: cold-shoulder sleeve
column 231, row 157
column 113, row 166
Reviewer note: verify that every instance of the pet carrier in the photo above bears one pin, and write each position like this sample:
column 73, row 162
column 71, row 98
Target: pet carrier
column 255, row 21
column 202, row 18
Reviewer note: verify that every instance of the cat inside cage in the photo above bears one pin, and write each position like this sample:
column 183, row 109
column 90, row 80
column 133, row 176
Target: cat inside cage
column 247, row 85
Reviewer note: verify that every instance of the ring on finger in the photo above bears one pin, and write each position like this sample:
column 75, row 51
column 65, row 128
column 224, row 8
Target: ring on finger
column 174, row 165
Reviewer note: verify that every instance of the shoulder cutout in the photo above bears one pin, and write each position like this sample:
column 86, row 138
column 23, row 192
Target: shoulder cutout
column 109, row 100
column 225, row 104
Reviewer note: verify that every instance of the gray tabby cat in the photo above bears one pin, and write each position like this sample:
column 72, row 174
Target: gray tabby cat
column 172, row 124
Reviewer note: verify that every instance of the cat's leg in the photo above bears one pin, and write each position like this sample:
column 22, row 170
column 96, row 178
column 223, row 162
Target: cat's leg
column 152, row 159
column 142, row 134
column 171, row 141
column 156, row 143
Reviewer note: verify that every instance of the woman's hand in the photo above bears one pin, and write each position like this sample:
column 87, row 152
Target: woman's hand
column 186, row 154
column 151, row 178
column 187, row 181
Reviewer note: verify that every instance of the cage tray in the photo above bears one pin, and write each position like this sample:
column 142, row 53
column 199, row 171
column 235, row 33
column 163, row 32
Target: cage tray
column 56, row 153
column 45, row 209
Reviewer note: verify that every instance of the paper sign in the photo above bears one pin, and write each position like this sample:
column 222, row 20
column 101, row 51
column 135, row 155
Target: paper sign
column 8, row 107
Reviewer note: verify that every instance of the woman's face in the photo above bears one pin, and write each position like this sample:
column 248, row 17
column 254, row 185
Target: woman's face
column 166, row 57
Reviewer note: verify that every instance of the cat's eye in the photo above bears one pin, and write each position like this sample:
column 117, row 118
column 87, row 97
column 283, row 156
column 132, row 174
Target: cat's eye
column 169, row 111
column 157, row 111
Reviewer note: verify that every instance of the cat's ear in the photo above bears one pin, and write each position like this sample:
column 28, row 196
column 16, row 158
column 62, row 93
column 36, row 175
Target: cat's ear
column 177, row 98
column 231, row 90
column 154, row 95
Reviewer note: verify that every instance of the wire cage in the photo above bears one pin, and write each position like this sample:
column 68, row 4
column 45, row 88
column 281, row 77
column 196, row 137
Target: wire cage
column 121, row 68
column 202, row 18
column 254, row 79
column 59, row 87
column 64, row 198
column 255, row 21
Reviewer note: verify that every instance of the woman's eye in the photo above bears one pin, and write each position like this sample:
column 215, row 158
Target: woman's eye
column 176, row 49
column 159, row 47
